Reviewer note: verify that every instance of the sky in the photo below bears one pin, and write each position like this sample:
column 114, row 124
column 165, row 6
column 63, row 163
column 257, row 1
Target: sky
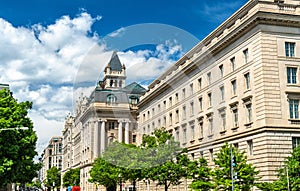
column 53, row 51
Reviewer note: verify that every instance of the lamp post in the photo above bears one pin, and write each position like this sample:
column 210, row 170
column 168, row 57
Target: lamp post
column 14, row 128
column 120, row 181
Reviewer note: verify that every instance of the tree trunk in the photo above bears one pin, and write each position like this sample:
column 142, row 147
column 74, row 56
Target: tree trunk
column 166, row 186
column 111, row 188
column 134, row 185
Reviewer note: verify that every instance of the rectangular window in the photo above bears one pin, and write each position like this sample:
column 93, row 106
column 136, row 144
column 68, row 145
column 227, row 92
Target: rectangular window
column 221, row 68
column 153, row 111
column 165, row 104
column 223, row 122
column 294, row 108
column 158, row 107
column 209, row 99
column 232, row 61
column 177, row 134
column 164, row 121
column 250, row 147
column 183, row 112
column 159, row 123
column 176, row 98
column 210, row 126
column 192, row 108
column 247, row 80
column 291, row 75
column 235, row 118
column 289, row 49
column 200, row 104
column 209, row 78
column 200, row 83
column 295, row 142
column 192, row 131
column 170, row 119
column 233, row 85
column 249, row 113
column 246, row 55
column 222, row 93
column 211, row 155
column 201, row 129
column 184, row 135
column 191, row 89
column 183, row 93
column 177, row 116
column 170, row 101
column 134, row 138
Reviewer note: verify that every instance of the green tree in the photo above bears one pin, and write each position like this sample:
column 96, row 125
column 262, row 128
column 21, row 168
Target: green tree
column 17, row 147
column 288, row 174
column 200, row 173
column 168, row 162
column 53, row 178
column 246, row 173
column 105, row 173
column 71, row 177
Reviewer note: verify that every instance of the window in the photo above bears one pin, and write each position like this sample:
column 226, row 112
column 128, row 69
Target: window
column 209, row 99
column 159, row 123
column 211, row 155
column 289, row 49
column 291, row 75
column 221, row 68
column 177, row 116
column 158, row 107
column 164, row 121
column 250, row 147
column 201, row 129
column 149, row 130
column 246, row 55
column 192, row 127
column 191, row 89
column 170, row 119
column 176, row 98
column 200, row 83
column 111, row 125
column 192, row 108
column 183, row 93
column 165, row 104
column 170, row 101
column 200, row 104
column 233, row 85
column 183, row 112
column 144, row 117
column 184, row 135
column 177, row 134
column 210, row 126
column 235, row 118
column 295, row 142
column 294, row 108
column 222, row 93
column 134, row 138
column 232, row 61
column 247, row 80
column 249, row 113
column 153, row 111
column 223, row 121
column 209, row 78
column 201, row 154
column 111, row 99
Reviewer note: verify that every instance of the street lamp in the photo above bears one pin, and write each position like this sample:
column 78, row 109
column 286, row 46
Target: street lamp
column 120, row 181
column 15, row 128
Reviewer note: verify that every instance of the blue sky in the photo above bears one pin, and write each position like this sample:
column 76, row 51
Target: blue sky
column 52, row 51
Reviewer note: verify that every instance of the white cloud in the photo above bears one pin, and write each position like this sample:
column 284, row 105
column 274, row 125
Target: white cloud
column 50, row 65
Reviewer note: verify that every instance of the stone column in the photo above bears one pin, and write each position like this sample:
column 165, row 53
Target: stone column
column 127, row 132
column 103, row 136
column 120, row 131
column 96, row 139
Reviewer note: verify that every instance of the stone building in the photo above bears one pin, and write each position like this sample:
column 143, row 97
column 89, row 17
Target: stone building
column 108, row 114
column 239, row 85
column 51, row 156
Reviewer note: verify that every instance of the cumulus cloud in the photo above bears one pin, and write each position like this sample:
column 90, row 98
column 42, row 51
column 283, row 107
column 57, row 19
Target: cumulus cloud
column 55, row 64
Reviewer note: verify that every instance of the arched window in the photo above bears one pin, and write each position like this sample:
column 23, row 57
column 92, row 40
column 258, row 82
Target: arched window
column 111, row 98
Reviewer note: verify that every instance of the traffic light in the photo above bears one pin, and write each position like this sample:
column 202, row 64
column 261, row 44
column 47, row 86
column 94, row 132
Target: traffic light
column 233, row 161
column 236, row 175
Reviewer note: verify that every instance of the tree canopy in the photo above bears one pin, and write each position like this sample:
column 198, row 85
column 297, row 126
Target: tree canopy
column 71, row 177
column 53, row 178
column 17, row 147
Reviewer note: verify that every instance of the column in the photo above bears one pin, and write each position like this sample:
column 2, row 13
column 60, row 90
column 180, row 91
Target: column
column 120, row 132
column 96, row 139
column 103, row 136
column 127, row 132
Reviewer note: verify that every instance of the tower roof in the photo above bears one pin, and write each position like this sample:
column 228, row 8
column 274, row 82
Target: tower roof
column 135, row 88
column 115, row 63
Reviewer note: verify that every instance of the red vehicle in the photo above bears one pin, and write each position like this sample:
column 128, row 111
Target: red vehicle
column 76, row 188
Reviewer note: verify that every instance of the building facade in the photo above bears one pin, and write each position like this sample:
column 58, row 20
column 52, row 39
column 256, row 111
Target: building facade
column 107, row 115
column 239, row 85
column 51, row 157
